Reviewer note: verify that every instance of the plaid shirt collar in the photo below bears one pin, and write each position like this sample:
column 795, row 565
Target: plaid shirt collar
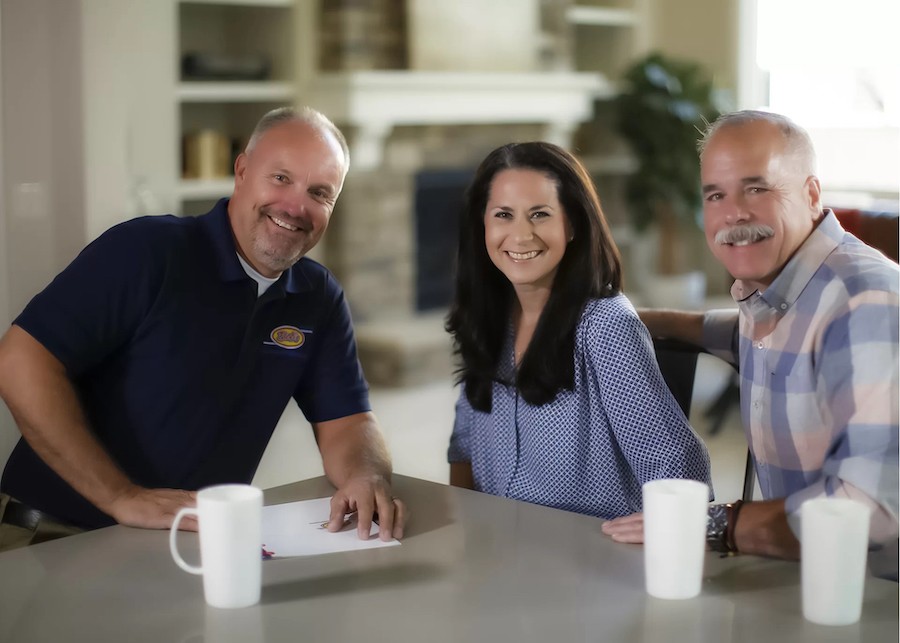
column 796, row 275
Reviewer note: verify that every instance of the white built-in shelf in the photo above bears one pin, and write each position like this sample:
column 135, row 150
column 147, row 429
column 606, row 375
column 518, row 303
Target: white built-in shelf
column 202, row 189
column 601, row 16
column 245, row 3
column 235, row 91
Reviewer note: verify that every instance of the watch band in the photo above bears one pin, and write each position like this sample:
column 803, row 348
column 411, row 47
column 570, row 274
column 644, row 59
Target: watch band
column 720, row 522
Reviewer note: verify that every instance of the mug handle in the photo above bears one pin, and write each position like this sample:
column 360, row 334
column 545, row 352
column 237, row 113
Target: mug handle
column 173, row 544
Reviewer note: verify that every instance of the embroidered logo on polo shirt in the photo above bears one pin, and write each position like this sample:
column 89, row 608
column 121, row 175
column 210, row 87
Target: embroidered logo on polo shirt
column 289, row 337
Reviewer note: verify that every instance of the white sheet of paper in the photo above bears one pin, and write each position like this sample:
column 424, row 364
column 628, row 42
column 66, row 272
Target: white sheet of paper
column 300, row 529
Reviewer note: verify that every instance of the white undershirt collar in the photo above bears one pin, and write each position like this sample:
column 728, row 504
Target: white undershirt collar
column 262, row 282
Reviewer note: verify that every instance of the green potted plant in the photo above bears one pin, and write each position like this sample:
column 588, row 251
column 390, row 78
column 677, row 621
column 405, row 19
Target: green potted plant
column 662, row 111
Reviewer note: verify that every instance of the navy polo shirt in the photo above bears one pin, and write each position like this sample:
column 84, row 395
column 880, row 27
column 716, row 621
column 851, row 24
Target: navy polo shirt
column 182, row 370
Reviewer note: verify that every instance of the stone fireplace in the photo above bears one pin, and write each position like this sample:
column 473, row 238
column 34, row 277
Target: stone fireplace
column 439, row 196
column 419, row 136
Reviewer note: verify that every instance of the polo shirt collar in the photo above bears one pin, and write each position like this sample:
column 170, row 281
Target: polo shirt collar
column 218, row 227
column 295, row 279
column 292, row 280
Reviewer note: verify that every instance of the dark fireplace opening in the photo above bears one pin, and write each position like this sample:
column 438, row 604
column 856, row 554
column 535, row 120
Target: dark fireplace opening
column 438, row 203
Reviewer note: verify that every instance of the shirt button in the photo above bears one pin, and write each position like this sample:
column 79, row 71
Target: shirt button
column 759, row 344
column 783, row 306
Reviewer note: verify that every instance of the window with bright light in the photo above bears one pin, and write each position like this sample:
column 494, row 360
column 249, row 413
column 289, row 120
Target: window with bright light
column 834, row 67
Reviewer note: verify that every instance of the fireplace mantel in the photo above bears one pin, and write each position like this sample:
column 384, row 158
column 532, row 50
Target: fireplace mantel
column 374, row 102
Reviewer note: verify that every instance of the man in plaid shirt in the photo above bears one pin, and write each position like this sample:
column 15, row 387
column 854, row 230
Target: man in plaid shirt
column 815, row 337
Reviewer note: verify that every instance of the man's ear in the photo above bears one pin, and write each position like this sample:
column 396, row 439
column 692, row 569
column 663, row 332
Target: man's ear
column 813, row 193
column 240, row 166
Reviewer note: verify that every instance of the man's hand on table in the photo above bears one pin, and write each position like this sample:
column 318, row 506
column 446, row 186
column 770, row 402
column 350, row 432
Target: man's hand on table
column 153, row 508
column 367, row 496
column 627, row 529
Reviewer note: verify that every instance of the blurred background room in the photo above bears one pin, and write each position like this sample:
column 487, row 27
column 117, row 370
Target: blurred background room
column 113, row 109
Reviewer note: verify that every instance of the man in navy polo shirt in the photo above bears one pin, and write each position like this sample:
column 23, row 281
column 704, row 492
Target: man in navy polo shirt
column 161, row 359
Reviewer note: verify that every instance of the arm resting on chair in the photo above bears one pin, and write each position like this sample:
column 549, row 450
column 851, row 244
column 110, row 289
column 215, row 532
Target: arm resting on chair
column 674, row 324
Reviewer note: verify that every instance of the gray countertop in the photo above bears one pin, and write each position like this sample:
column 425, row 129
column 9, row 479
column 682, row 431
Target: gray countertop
column 471, row 568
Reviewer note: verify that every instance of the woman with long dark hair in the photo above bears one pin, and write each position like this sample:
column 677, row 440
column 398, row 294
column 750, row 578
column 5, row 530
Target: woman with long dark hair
column 562, row 402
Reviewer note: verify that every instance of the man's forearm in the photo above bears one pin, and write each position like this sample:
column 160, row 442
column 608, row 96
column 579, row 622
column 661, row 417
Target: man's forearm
column 357, row 463
column 673, row 324
column 45, row 406
column 353, row 446
column 762, row 529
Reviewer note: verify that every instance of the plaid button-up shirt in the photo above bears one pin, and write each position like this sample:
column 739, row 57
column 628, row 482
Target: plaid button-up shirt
column 818, row 356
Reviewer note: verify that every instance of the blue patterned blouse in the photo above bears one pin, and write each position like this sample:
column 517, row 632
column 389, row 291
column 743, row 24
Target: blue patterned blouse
column 590, row 449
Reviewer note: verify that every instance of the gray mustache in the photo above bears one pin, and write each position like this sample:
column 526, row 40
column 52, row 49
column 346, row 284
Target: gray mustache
column 747, row 233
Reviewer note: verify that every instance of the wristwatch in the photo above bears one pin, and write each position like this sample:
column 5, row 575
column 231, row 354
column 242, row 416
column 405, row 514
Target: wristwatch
column 720, row 522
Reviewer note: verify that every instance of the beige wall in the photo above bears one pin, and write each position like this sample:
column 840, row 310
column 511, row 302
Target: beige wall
column 86, row 105
column 7, row 430
column 705, row 31
column 41, row 142
column 43, row 221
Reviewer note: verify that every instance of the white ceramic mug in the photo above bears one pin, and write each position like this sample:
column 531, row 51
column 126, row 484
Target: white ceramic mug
column 834, row 543
column 674, row 537
column 230, row 520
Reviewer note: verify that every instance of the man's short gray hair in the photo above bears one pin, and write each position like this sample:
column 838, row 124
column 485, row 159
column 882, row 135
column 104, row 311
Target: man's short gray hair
column 796, row 139
column 307, row 115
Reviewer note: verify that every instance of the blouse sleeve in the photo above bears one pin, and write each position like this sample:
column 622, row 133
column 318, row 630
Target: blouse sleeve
column 460, row 448
column 647, row 423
